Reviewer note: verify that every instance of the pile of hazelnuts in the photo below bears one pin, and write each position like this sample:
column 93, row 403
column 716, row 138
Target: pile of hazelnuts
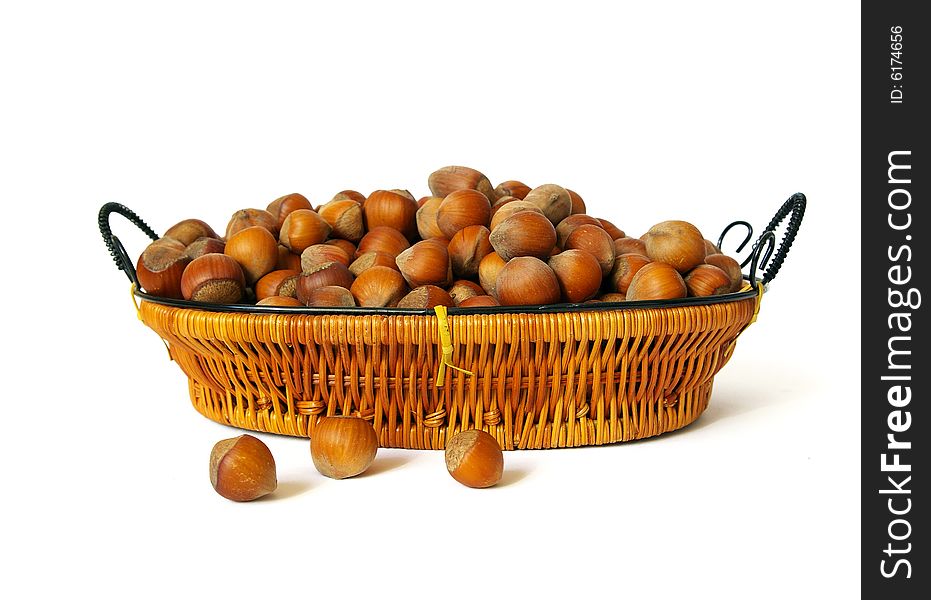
column 468, row 244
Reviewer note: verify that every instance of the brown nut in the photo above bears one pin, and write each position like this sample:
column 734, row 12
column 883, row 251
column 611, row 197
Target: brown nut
column 333, row 273
column 343, row 446
column 526, row 280
column 385, row 208
column 251, row 217
column 488, row 271
column 578, row 205
column 676, row 243
column 612, row 229
column 383, row 239
column 160, row 267
column 474, row 459
column 426, row 218
column 467, row 248
column 330, row 296
column 242, row 469
column 629, row 245
column 656, row 281
column 213, row 278
column 344, row 218
column 349, row 195
column 710, row 248
column 707, row 280
column 281, row 207
column 596, row 241
column 282, row 282
column 511, row 208
column 511, row 188
column 188, row 230
column 426, row 296
column 570, row 224
column 204, row 245
column 287, row 259
column 303, row 228
column 425, row 263
column 447, row 180
column 379, row 287
column 525, row 233
column 279, row 301
column 460, row 209
column 625, row 267
column 345, row 245
column 256, row 251
column 373, row 259
column 318, row 254
column 464, row 289
column 578, row 273
column 553, row 200
column 477, row 301
column 729, row 266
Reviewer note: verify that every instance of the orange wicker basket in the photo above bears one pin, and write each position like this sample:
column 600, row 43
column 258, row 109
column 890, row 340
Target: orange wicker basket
column 533, row 377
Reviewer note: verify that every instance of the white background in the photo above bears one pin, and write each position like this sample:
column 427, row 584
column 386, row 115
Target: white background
column 707, row 112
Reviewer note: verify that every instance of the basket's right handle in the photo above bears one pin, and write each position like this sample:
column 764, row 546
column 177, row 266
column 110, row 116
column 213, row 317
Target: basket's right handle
column 794, row 208
column 117, row 251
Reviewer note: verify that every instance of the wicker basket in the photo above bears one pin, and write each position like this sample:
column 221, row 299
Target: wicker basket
column 533, row 377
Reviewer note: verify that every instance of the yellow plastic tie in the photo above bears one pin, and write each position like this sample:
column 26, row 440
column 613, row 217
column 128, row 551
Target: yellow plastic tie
column 446, row 342
column 759, row 300
column 132, row 294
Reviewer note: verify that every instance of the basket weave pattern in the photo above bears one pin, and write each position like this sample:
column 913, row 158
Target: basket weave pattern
column 540, row 380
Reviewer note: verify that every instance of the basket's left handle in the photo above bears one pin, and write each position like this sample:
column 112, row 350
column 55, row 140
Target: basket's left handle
column 117, row 251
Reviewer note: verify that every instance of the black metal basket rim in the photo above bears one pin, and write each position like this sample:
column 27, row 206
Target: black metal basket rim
column 477, row 310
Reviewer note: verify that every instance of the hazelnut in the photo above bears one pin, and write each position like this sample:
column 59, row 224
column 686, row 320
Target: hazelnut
column 612, row 229
column 488, row 271
column 332, row 273
column 345, row 245
column 204, row 245
column 426, row 296
column 318, row 254
column 390, row 209
column 710, row 248
column 656, row 281
column 251, row 217
column 303, row 228
column 578, row 205
column 707, row 280
column 279, row 301
column 280, row 208
column 676, row 243
column 461, row 209
column 349, row 195
column 629, row 245
column 188, row 230
column 383, row 239
column 464, row 289
column 527, row 281
column 511, row 208
column 478, row 301
column 343, row 446
column 553, row 200
column 447, row 180
column 379, row 287
column 287, row 259
column 344, row 218
column 256, row 251
column 282, row 282
column 160, row 267
column 625, row 267
column 729, row 266
column 570, row 224
column 524, row 233
column 242, row 469
column 512, row 188
column 213, row 278
column 426, row 218
column 474, row 459
column 330, row 296
column 578, row 273
column 373, row 259
column 613, row 297
column 467, row 248
column 425, row 263
column 596, row 241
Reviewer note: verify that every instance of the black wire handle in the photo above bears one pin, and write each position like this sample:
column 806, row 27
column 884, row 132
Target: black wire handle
column 114, row 245
column 765, row 245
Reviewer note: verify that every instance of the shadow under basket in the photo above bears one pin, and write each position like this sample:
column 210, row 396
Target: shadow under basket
column 533, row 377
